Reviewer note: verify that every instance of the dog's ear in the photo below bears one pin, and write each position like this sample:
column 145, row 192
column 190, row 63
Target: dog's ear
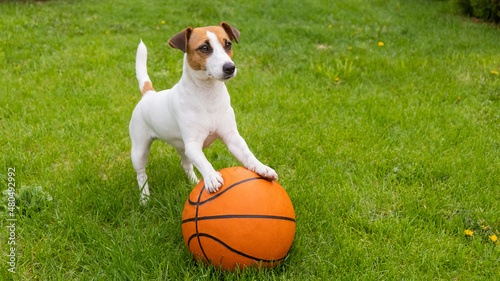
column 233, row 33
column 180, row 40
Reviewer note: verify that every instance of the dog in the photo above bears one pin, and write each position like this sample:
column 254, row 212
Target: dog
column 194, row 112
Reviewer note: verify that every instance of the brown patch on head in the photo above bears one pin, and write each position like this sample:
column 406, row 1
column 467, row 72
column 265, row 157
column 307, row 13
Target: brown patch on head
column 196, row 43
column 147, row 87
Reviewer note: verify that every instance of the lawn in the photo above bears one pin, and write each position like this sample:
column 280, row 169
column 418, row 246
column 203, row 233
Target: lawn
column 381, row 118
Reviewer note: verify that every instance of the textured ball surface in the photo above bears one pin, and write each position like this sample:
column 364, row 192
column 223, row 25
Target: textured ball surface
column 250, row 221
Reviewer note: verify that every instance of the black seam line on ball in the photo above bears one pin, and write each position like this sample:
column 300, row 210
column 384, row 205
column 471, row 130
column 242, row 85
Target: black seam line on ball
column 198, row 235
column 196, row 224
column 217, row 195
column 239, row 217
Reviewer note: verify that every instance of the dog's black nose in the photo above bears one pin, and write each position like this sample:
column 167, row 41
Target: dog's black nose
column 228, row 68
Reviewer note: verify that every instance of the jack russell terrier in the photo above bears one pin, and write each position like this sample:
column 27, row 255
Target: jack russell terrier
column 195, row 112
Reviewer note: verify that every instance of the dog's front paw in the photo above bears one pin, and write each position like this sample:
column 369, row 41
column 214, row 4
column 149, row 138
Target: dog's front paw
column 265, row 172
column 193, row 178
column 213, row 182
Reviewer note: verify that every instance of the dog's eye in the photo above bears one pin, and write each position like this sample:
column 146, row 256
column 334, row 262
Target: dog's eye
column 204, row 48
column 228, row 45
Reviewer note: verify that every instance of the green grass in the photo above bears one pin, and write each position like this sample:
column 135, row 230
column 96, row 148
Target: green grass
column 386, row 167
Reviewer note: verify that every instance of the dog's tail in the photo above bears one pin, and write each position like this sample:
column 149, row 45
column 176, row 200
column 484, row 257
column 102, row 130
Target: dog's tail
column 141, row 69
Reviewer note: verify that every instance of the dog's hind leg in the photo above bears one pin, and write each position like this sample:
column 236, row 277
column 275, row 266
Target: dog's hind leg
column 139, row 155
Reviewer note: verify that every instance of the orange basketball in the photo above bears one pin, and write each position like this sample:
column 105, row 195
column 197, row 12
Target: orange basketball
column 250, row 221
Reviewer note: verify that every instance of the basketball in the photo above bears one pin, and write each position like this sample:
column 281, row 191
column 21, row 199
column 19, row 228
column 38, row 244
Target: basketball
column 249, row 222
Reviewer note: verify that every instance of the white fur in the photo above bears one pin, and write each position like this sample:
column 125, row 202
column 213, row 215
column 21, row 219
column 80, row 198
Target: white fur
column 190, row 116
column 219, row 57
column 140, row 65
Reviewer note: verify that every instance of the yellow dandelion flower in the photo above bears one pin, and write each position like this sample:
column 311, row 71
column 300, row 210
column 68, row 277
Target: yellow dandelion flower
column 493, row 238
column 494, row 72
column 381, row 44
column 18, row 66
column 162, row 22
column 107, row 31
column 330, row 26
column 468, row 232
column 459, row 98
column 337, row 79
column 484, row 227
column 350, row 48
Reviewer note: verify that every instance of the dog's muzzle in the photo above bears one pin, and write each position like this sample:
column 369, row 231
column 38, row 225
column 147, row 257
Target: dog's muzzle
column 228, row 70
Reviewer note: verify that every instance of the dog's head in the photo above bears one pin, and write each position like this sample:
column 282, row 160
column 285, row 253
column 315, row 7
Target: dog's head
column 208, row 49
